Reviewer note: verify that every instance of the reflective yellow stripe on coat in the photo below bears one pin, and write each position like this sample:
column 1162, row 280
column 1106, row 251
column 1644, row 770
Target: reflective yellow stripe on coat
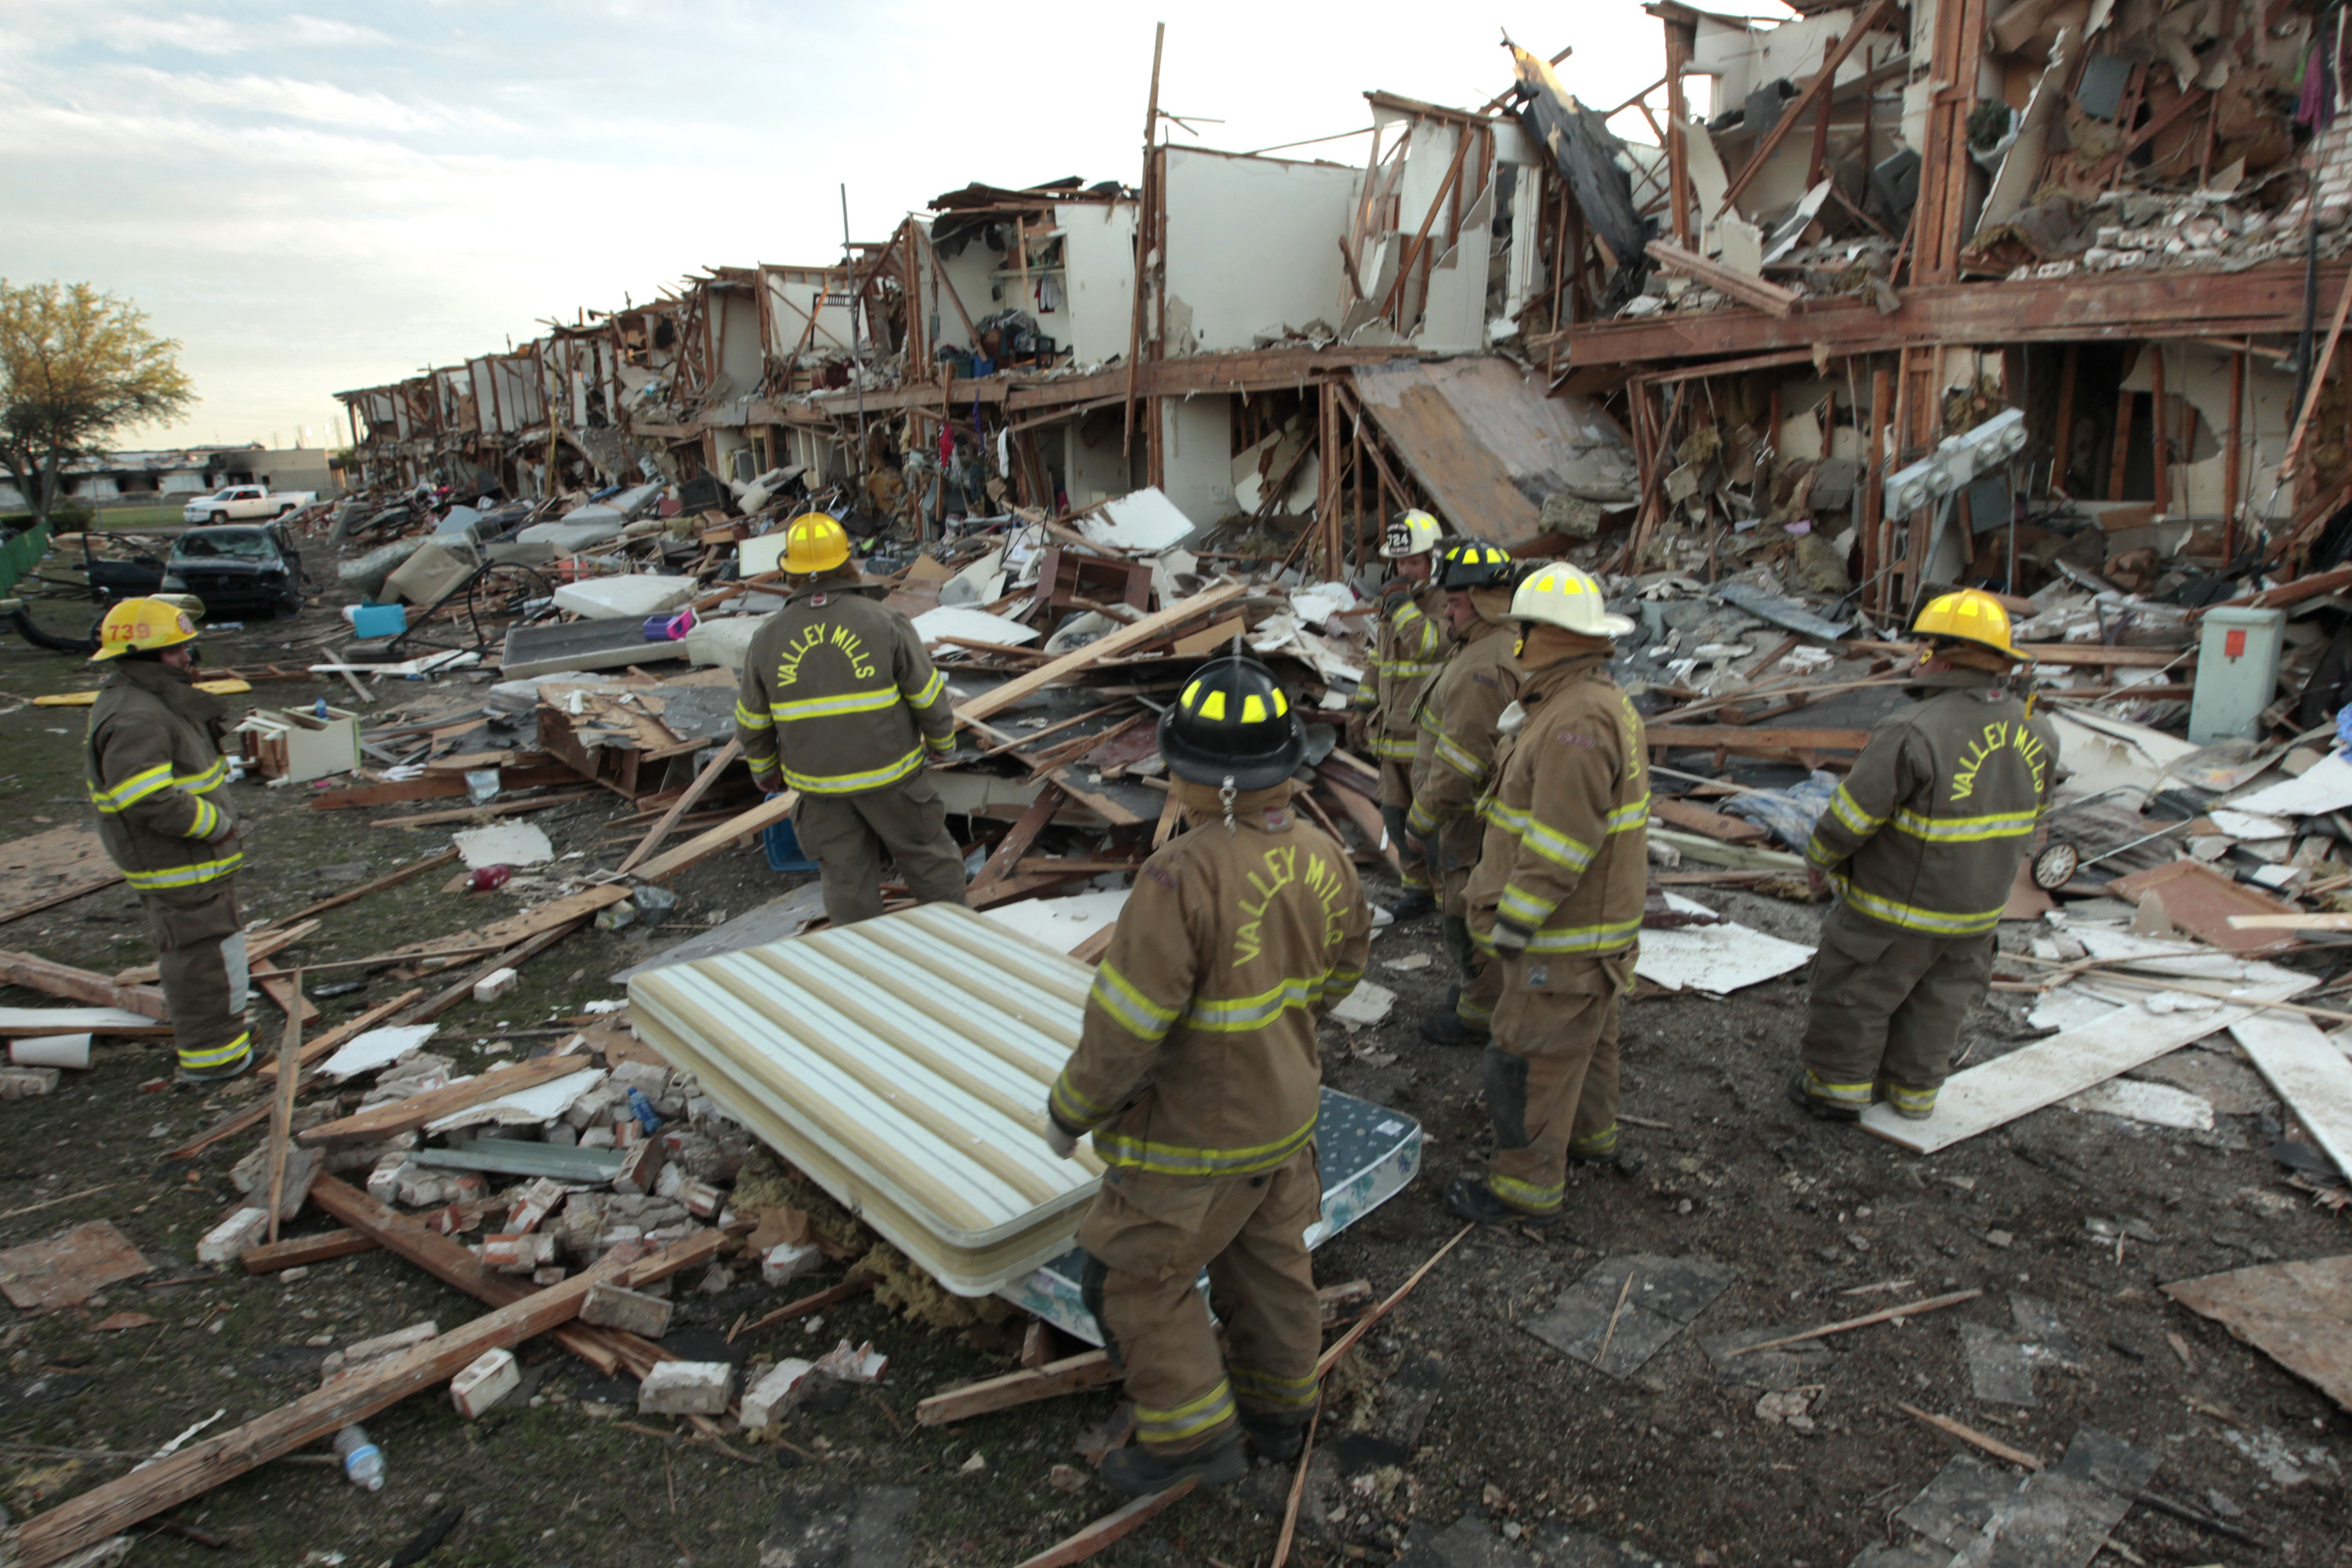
column 851, row 783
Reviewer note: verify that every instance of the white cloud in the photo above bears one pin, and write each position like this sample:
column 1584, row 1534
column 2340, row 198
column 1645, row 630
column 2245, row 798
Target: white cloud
column 322, row 30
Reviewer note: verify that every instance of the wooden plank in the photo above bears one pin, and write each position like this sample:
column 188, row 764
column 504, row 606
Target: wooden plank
column 363, row 889
column 282, row 1103
column 1770, row 297
column 278, row 986
column 115, row 1506
column 52, row 979
column 436, row 786
column 1016, row 843
column 506, row 932
column 1367, row 818
column 1884, row 1314
column 1818, row 90
column 332, row 1040
column 1109, row 1528
column 258, row 945
column 1088, row 1369
column 1714, row 824
column 1140, row 634
column 1980, row 1097
column 484, row 813
column 304, row 1250
column 704, row 844
column 46, row 868
column 2311, row 1074
column 694, row 792
column 1737, row 736
column 395, row 1117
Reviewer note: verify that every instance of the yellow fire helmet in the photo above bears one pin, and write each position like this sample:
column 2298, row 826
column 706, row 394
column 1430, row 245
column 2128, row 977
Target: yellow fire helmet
column 1412, row 532
column 1562, row 595
column 815, row 543
column 1969, row 615
column 140, row 625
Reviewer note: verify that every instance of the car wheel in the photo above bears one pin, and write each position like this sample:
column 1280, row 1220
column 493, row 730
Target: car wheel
column 217, row 517
column 289, row 604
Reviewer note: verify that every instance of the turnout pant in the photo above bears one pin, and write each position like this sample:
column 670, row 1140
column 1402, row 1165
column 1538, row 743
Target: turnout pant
column 1147, row 1239
column 1886, row 1010
column 850, row 834
column 200, row 947
column 1482, row 973
column 1396, row 797
column 1552, row 1073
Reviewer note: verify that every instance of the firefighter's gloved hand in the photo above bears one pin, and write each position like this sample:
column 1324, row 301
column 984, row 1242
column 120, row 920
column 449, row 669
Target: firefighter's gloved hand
column 773, row 783
column 222, row 835
column 1510, row 940
column 1063, row 1144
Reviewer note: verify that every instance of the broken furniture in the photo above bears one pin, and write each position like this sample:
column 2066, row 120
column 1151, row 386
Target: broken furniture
column 299, row 744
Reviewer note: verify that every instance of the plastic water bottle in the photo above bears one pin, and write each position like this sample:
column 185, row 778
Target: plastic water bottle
column 319, row 709
column 642, row 1109
column 362, row 1460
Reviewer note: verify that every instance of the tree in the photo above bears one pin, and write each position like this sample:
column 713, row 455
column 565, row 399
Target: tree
column 76, row 365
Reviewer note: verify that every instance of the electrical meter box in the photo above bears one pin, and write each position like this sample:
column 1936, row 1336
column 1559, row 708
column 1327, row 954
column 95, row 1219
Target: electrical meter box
column 2237, row 674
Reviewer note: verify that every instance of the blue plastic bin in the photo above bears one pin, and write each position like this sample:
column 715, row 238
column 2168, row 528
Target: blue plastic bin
column 784, row 853
column 380, row 620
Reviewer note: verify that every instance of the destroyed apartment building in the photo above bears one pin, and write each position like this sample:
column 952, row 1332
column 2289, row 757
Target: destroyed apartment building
column 2045, row 297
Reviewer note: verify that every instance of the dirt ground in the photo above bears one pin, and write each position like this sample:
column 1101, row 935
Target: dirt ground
column 1671, row 1462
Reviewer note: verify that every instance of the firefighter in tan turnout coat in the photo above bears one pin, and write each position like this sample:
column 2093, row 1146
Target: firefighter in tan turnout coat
column 1557, row 899
column 1407, row 646
column 839, row 701
column 1197, row 1074
column 154, row 770
column 1922, row 842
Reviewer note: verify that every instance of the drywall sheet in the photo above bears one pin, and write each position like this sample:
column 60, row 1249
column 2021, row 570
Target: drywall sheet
column 1978, row 1098
column 1487, row 443
column 1097, row 277
column 2293, row 1312
column 903, row 1063
column 1063, row 923
column 973, row 625
column 1253, row 246
column 1714, row 958
column 2309, row 1071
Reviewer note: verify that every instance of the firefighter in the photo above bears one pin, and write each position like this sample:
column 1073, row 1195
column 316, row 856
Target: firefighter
column 1452, row 758
column 1921, row 843
column 1558, row 898
column 1407, row 644
column 1197, row 1074
column 155, row 770
column 839, row 701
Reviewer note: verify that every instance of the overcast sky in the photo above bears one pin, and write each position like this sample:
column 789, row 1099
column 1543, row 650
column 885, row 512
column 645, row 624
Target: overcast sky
column 314, row 198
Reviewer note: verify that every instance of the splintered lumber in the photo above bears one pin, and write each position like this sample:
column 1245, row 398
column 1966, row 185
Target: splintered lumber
column 1746, row 287
column 278, row 986
column 281, row 1104
column 1298, row 1488
column 436, row 785
column 442, row 1001
column 1967, row 1434
column 267, row 1073
column 1346, row 1342
column 113, row 1506
column 1109, row 1528
column 493, row 808
column 1908, row 1310
column 710, row 841
column 304, row 1250
column 685, row 803
column 607, row 1350
column 395, row 1117
column 1366, row 816
column 1751, row 738
column 855, row 1285
column 63, row 980
column 1024, row 834
column 1148, row 629
column 1088, row 1369
column 507, row 932
column 1714, row 824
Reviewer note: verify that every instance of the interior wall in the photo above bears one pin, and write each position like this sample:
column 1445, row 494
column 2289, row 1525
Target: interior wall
column 1098, row 279
column 1094, row 469
column 793, row 293
column 1252, row 246
column 735, row 317
column 1198, row 453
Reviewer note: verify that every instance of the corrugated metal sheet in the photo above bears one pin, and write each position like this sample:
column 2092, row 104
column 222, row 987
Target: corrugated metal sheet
column 1489, row 446
column 903, row 1063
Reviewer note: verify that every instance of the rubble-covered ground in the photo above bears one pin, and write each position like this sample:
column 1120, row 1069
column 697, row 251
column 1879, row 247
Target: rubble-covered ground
column 1449, row 1412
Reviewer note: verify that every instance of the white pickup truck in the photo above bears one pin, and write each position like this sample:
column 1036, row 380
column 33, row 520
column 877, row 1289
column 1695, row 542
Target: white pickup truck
column 243, row 503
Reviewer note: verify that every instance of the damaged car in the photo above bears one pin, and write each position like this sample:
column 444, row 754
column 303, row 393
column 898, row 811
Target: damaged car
column 238, row 571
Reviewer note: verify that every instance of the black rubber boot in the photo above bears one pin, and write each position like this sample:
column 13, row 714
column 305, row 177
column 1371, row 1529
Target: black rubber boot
column 1277, row 1440
column 1448, row 1029
column 1416, row 902
column 1819, row 1109
column 1138, row 1471
column 1626, row 1161
column 1469, row 1197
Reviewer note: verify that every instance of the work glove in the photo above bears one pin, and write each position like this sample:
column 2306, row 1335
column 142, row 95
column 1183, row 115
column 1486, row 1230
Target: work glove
column 1510, row 941
column 773, row 783
column 1064, row 1143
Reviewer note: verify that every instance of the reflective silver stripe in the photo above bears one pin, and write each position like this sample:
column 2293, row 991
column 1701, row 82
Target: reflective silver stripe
column 1074, row 1109
column 1556, row 847
column 1190, row 1420
column 1410, row 669
column 850, row 784
column 1631, row 815
column 1911, row 917
column 1522, row 907
column 1460, row 760
column 1135, row 1012
column 1173, row 1160
column 1418, row 821
column 186, row 875
column 1268, row 1392
column 943, row 744
column 132, row 790
column 204, row 783
column 751, row 719
column 208, row 818
column 1526, row 1195
column 1391, row 746
column 1846, row 809
column 828, row 706
column 930, row 692
column 1606, row 936
column 1967, row 829
column 1238, row 1014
